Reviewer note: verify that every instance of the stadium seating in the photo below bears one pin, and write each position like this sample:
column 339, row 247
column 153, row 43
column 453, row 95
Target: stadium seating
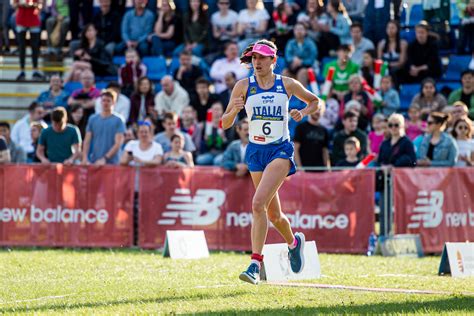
column 407, row 92
column 416, row 14
column 119, row 60
column 408, row 34
column 457, row 64
column 455, row 20
column 156, row 67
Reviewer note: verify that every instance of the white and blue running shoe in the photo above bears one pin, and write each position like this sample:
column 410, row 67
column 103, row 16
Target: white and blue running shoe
column 296, row 255
column 252, row 275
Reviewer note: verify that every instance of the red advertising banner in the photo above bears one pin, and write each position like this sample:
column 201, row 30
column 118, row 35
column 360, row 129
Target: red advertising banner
column 72, row 206
column 335, row 209
column 436, row 203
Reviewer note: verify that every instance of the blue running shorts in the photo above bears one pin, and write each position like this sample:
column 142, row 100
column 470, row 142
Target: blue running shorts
column 258, row 157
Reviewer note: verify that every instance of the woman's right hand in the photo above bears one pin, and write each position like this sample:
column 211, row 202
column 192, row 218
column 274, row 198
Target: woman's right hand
column 237, row 104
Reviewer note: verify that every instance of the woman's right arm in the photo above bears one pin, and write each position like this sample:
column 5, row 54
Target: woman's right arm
column 189, row 159
column 236, row 103
column 126, row 158
column 159, row 24
column 380, row 49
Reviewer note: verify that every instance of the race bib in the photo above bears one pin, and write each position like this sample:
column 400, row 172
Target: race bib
column 266, row 130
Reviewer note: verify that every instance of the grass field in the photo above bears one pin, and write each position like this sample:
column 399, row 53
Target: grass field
column 135, row 281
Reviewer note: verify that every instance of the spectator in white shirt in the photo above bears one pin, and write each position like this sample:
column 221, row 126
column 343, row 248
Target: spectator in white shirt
column 21, row 131
column 144, row 151
column 224, row 23
column 253, row 23
column 173, row 98
column 122, row 107
column 230, row 63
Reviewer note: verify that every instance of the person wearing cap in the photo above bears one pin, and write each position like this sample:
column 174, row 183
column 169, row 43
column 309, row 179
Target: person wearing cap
column 423, row 58
column 104, row 133
column 270, row 153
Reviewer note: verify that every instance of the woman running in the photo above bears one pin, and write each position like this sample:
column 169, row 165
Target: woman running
column 269, row 154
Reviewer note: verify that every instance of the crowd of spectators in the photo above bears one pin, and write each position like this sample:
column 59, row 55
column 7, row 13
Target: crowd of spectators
column 178, row 123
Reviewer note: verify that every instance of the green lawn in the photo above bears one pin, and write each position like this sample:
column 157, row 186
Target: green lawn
column 134, row 281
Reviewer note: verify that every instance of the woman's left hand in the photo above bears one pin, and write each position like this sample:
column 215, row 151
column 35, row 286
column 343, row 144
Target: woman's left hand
column 296, row 115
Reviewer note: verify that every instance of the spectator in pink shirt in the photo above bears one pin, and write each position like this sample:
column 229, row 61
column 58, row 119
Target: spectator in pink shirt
column 377, row 136
column 414, row 125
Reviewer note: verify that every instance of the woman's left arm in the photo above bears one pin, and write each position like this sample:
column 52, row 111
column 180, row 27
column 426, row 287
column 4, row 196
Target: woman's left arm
column 452, row 156
column 313, row 103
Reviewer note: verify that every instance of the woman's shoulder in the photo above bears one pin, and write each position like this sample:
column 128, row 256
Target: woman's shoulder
column 416, row 97
column 441, row 97
column 132, row 144
column 242, row 84
column 405, row 139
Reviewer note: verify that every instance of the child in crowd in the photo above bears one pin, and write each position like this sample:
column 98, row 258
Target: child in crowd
column 330, row 115
column 414, row 126
column 377, row 136
column 177, row 157
column 391, row 99
column 351, row 149
column 131, row 71
column 462, row 132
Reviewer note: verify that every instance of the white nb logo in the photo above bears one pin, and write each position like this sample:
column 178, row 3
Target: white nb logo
column 202, row 209
column 428, row 210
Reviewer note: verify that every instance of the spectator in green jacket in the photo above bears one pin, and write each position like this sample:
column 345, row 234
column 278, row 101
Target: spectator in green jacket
column 465, row 93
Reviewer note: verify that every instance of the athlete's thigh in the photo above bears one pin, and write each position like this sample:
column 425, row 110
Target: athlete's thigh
column 256, row 177
column 274, row 206
column 271, row 180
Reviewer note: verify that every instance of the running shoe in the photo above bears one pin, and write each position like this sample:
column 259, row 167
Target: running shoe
column 21, row 76
column 296, row 255
column 252, row 275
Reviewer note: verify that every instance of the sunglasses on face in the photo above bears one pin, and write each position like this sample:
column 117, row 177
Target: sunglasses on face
column 396, row 125
column 462, row 127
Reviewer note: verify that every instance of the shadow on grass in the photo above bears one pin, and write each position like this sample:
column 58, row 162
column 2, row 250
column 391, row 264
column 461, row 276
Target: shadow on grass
column 457, row 304
column 71, row 306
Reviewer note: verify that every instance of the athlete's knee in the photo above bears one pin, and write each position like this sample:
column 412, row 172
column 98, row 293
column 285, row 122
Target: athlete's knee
column 258, row 205
column 274, row 217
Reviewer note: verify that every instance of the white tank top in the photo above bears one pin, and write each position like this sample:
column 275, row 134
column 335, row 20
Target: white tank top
column 268, row 112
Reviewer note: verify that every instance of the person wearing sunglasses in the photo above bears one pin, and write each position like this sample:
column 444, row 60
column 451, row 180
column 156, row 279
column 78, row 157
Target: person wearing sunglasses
column 438, row 148
column 397, row 150
column 462, row 132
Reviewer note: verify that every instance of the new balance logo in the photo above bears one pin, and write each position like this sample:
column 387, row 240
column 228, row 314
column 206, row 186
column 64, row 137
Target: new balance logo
column 428, row 212
column 202, row 209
